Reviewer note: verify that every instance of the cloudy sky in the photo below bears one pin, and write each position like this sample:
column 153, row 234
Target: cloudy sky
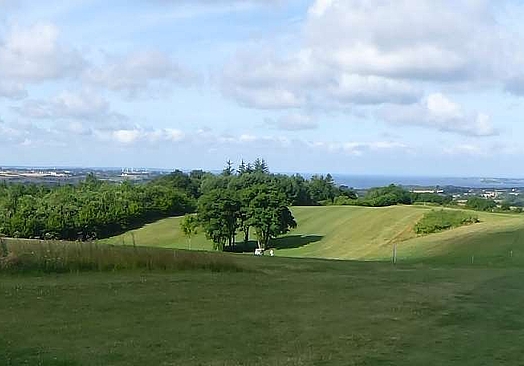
column 403, row 87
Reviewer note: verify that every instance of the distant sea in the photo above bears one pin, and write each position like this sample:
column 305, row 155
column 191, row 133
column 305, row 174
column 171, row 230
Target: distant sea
column 368, row 181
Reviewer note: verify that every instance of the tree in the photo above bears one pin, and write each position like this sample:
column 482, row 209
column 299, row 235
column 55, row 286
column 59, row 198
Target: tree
column 189, row 226
column 268, row 213
column 481, row 204
column 228, row 170
column 260, row 166
column 505, row 206
column 242, row 168
column 218, row 212
column 322, row 188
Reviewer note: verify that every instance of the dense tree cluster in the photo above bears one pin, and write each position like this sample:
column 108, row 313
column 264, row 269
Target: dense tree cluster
column 392, row 195
column 249, row 199
column 92, row 208
column 481, row 204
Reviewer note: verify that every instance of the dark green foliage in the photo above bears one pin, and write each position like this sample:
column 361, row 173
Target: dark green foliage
column 388, row 196
column 505, row 206
column 268, row 213
column 228, row 170
column 252, row 199
column 431, row 198
column 218, row 213
column 481, row 204
column 435, row 221
column 322, row 188
column 378, row 197
column 189, row 183
column 93, row 209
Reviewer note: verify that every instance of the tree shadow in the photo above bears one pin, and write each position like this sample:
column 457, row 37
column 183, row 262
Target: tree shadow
column 294, row 241
column 284, row 242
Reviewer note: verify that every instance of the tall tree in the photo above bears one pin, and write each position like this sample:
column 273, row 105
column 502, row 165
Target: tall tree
column 218, row 212
column 268, row 213
column 228, row 170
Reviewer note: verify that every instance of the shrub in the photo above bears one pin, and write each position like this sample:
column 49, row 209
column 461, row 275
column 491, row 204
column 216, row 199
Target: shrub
column 481, row 204
column 435, row 221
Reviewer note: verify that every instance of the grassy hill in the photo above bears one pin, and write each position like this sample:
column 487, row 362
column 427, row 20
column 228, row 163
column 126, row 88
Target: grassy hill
column 165, row 307
column 362, row 233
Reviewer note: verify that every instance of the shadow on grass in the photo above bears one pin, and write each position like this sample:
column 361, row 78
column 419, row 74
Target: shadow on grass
column 285, row 242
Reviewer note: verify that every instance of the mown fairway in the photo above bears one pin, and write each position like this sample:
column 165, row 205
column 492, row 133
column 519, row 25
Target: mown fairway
column 360, row 233
column 284, row 312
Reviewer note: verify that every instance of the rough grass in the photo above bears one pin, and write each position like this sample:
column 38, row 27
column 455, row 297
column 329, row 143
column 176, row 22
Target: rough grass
column 22, row 256
column 287, row 312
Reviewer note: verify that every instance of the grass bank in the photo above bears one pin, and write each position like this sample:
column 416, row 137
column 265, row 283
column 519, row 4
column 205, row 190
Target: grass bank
column 23, row 256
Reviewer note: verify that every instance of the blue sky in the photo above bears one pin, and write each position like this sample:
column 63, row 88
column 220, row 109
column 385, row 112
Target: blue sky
column 392, row 87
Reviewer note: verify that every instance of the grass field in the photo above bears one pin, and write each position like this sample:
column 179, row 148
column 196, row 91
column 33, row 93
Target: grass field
column 454, row 298
column 285, row 312
column 361, row 233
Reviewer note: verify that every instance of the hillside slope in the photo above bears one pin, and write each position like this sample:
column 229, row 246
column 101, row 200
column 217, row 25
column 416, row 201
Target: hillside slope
column 362, row 233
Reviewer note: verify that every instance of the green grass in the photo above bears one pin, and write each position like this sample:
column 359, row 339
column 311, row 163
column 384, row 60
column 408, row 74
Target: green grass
column 362, row 233
column 25, row 256
column 438, row 306
column 284, row 312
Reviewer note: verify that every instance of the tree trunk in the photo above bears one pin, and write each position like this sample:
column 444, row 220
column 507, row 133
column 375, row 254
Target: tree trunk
column 246, row 235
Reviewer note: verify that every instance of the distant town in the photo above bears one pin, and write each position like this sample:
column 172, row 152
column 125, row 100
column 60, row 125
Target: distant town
column 74, row 175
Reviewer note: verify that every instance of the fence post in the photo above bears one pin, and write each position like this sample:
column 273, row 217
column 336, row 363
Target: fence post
column 395, row 253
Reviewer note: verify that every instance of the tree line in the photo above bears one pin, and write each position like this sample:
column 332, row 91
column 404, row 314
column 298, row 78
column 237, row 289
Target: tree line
column 98, row 209
column 239, row 200
column 91, row 209
column 392, row 195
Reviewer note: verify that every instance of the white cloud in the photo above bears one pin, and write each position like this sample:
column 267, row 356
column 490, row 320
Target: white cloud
column 293, row 122
column 34, row 54
column 85, row 105
column 371, row 89
column 141, row 135
column 363, row 52
column 126, row 136
column 465, row 149
column 12, row 90
column 359, row 148
column 140, row 72
column 440, row 113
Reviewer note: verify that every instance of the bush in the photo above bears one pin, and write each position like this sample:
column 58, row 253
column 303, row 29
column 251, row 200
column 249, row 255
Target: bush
column 481, row 204
column 435, row 221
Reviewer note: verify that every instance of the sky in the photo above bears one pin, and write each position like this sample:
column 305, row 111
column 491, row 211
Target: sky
column 380, row 87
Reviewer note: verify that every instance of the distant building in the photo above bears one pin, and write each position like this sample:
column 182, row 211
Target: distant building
column 427, row 191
